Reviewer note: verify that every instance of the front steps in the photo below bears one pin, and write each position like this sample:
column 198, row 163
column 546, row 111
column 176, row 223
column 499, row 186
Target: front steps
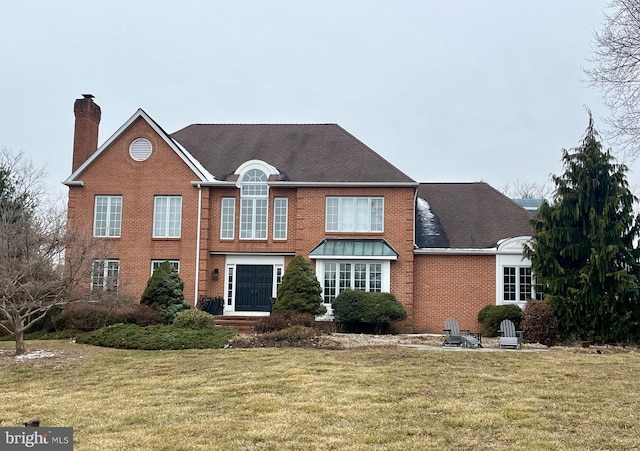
column 243, row 324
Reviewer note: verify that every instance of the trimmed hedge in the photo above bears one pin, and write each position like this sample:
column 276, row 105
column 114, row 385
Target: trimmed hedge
column 375, row 309
column 490, row 316
column 91, row 316
column 156, row 337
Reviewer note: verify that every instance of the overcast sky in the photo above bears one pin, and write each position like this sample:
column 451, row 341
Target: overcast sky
column 445, row 90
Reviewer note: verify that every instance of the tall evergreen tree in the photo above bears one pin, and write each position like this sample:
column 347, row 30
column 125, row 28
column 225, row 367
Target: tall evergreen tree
column 164, row 291
column 300, row 291
column 584, row 252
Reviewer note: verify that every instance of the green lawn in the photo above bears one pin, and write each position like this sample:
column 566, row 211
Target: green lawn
column 300, row 399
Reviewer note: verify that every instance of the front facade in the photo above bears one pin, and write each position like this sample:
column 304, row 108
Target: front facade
column 231, row 205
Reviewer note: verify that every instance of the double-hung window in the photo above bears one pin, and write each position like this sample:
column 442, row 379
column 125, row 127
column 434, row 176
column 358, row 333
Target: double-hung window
column 107, row 216
column 253, row 205
column 280, row 212
column 227, row 218
column 167, row 216
column 105, row 275
column 354, row 214
column 156, row 263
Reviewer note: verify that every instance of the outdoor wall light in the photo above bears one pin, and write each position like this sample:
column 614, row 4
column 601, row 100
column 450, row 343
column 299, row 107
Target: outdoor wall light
column 215, row 273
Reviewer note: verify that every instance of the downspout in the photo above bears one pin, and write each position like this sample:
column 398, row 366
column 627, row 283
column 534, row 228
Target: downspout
column 195, row 301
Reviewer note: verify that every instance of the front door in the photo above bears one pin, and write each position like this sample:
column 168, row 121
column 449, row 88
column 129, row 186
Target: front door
column 254, row 284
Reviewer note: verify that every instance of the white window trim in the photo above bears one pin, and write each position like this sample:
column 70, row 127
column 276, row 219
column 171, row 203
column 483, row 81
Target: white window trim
column 285, row 220
column 385, row 283
column 156, row 263
column 105, row 275
column 355, row 228
column 107, row 234
column 510, row 253
column 168, row 218
column 232, row 201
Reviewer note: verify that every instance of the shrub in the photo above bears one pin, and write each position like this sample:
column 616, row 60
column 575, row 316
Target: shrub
column 194, row 319
column 213, row 305
column 492, row 315
column 294, row 336
column 376, row 309
column 279, row 321
column 540, row 323
column 90, row 316
column 300, row 291
column 164, row 292
column 130, row 336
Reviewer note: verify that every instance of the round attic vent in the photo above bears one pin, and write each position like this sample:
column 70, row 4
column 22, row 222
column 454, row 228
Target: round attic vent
column 140, row 149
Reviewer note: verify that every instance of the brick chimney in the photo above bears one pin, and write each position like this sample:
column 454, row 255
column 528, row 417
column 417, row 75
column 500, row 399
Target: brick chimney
column 85, row 135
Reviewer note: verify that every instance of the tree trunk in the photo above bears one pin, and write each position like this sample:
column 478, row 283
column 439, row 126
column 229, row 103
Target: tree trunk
column 20, row 347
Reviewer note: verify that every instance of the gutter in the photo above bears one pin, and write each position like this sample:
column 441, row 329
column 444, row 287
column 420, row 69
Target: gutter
column 195, row 300
column 293, row 184
column 450, row 251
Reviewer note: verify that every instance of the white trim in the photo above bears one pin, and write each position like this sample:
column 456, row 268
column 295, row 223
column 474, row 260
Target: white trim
column 254, row 164
column 189, row 160
column 230, row 264
column 353, row 257
column 284, row 183
column 452, row 251
column 168, row 214
column 198, row 226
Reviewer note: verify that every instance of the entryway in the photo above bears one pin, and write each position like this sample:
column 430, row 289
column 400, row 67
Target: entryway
column 254, row 288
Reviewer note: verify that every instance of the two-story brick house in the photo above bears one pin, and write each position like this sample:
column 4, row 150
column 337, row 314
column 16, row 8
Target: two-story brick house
column 231, row 205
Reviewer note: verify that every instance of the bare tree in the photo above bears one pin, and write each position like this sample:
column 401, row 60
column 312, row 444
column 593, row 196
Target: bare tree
column 36, row 274
column 527, row 190
column 616, row 71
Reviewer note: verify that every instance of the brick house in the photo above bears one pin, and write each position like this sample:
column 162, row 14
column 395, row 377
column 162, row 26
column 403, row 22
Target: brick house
column 230, row 205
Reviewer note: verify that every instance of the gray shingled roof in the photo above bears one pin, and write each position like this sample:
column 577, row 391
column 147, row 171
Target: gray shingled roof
column 467, row 216
column 301, row 152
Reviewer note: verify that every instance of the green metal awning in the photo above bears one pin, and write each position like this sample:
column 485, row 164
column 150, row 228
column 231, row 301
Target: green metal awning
column 374, row 249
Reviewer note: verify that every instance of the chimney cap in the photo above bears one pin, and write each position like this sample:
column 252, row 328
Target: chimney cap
column 88, row 96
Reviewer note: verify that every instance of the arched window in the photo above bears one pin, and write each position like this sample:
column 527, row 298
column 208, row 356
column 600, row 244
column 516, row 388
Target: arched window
column 254, row 194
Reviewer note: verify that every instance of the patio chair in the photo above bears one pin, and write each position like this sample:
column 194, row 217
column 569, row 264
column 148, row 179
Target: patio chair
column 509, row 336
column 456, row 337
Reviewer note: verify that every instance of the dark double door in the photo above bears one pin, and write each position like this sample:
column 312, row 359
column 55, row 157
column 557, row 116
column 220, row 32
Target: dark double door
column 254, row 285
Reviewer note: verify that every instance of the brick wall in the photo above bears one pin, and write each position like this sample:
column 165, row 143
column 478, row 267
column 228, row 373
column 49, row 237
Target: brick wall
column 114, row 172
column 456, row 286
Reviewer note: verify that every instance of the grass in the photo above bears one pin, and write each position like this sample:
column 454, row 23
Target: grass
column 300, row 399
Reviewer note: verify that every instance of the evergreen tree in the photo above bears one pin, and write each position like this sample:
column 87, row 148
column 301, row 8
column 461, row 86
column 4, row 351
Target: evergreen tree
column 164, row 291
column 584, row 252
column 300, row 291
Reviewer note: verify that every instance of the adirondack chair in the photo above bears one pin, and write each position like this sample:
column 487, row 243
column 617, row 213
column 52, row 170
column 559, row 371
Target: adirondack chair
column 456, row 337
column 509, row 336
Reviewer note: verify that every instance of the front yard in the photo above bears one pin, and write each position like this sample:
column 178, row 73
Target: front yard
column 380, row 398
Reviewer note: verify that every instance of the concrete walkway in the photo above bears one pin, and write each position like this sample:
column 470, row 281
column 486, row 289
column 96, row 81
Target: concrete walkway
column 460, row 348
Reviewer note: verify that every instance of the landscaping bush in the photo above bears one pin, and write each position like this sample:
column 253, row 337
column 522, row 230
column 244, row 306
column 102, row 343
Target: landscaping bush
column 194, row 319
column 279, row 321
column 294, row 336
column 539, row 323
column 90, row 316
column 492, row 315
column 130, row 336
column 300, row 291
column 164, row 292
column 375, row 309
column 213, row 305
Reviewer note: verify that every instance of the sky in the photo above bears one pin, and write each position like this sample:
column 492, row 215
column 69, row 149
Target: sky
column 447, row 91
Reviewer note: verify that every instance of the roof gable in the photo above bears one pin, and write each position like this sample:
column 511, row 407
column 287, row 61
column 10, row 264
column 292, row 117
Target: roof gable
column 467, row 216
column 307, row 153
column 200, row 172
